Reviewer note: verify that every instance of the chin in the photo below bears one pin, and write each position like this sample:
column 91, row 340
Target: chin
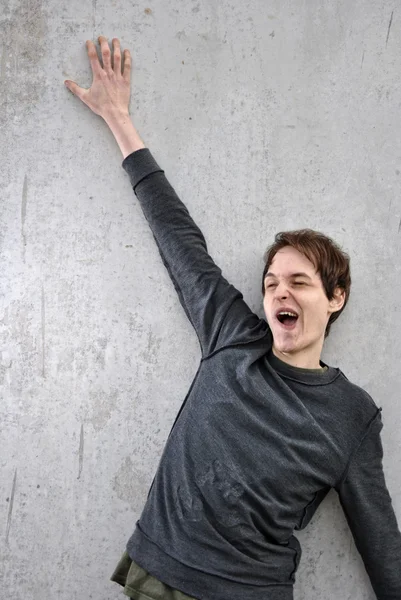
column 285, row 345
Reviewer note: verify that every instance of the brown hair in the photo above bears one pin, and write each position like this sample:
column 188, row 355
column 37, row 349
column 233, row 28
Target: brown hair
column 332, row 264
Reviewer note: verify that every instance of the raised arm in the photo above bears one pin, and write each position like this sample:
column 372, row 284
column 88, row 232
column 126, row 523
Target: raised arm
column 215, row 308
column 369, row 511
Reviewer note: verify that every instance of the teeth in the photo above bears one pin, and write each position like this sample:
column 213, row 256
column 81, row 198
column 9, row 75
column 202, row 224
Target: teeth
column 288, row 313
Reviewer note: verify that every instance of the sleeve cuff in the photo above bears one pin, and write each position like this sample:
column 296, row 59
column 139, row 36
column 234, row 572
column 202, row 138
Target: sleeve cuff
column 140, row 164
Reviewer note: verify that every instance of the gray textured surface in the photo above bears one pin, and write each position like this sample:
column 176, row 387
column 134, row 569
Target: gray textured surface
column 265, row 117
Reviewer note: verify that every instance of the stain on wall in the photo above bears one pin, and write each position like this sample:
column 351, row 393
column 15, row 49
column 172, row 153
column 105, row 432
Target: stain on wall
column 23, row 31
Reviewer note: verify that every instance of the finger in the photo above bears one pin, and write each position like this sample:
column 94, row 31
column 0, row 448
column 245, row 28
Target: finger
column 106, row 54
column 93, row 57
column 75, row 89
column 127, row 65
column 116, row 56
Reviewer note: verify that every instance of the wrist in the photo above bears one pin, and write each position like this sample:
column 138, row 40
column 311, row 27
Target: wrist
column 115, row 118
column 125, row 134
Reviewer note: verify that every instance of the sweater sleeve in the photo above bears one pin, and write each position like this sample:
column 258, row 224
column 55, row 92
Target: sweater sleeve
column 367, row 505
column 215, row 308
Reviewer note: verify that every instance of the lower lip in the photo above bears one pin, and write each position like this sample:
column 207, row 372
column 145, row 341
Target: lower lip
column 288, row 327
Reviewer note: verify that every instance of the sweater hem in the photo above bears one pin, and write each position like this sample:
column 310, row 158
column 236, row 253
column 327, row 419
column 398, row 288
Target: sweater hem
column 193, row 582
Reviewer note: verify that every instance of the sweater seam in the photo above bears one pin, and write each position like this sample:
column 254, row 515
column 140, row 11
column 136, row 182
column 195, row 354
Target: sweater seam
column 182, row 407
column 354, row 452
column 145, row 176
column 314, row 384
column 232, row 345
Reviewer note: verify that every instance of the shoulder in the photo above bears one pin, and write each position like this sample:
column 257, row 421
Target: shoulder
column 357, row 398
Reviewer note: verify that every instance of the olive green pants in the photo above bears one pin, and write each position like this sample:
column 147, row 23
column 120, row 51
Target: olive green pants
column 140, row 585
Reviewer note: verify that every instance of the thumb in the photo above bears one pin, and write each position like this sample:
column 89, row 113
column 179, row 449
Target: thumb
column 74, row 88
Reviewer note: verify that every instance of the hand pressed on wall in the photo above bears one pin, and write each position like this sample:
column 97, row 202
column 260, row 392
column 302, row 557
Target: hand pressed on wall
column 110, row 91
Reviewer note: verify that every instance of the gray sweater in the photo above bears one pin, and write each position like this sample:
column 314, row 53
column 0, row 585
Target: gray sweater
column 256, row 445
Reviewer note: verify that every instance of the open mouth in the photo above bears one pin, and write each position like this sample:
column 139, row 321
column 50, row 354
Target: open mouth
column 287, row 321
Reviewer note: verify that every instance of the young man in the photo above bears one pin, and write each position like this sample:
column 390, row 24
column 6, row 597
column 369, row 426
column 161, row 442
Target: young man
column 266, row 429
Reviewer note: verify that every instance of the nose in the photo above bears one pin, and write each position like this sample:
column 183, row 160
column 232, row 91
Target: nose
column 281, row 290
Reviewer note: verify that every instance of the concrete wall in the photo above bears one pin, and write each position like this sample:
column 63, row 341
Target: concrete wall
column 266, row 116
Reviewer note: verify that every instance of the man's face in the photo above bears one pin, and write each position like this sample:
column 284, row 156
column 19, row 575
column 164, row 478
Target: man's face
column 303, row 294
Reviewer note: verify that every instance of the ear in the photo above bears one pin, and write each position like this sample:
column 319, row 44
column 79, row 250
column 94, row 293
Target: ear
column 338, row 301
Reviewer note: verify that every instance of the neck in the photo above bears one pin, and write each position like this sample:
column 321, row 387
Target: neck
column 300, row 360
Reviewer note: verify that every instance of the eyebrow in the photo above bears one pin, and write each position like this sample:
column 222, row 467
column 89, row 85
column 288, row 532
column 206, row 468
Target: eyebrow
column 291, row 276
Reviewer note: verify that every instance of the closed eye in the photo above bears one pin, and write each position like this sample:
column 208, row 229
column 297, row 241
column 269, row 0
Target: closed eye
column 295, row 283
